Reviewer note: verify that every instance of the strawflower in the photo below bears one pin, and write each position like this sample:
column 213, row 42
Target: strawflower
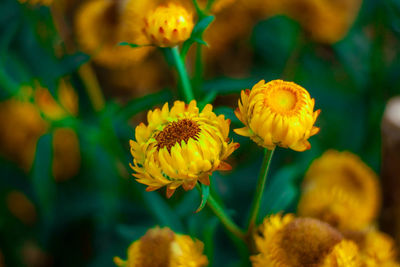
column 168, row 25
column 277, row 113
column 163, row 247
column 342, row 190
column 286, row 241
column 180, row 146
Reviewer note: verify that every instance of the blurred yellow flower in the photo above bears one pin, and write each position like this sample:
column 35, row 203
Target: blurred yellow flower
column 341, row 190
column 289, row 241
column 100, row 25
column 168, row 25
column 277, row 113
column 66, row 154
column 326, row 21
column 37, row 2
column 376, row 248
column 25, row 118
column 21, row 207
column 180, row 146
column 163, row 247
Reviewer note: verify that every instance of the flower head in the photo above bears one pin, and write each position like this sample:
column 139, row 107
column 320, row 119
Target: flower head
column 376, row 248
column 101, row 25
column 180, row 146
column 290, row 241
column 168, row 25
column 163, row 247
column 341, row 190
column 277, row 113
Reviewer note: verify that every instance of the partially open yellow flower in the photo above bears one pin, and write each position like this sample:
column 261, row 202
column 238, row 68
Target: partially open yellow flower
column 180, row 146
column 341, row 190
column 100, row 25
column 37, row 2
column 163, row 247
column 168, row 25
column 290, row 242
column 277, row 113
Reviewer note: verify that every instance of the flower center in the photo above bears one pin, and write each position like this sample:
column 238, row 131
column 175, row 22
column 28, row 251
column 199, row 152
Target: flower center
column 282, row 100
column 307, row 241
column 155, row 248
column 175, row 132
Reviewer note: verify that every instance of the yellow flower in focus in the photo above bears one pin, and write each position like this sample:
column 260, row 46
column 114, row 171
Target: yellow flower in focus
column 168, row 25
column 277, row 113
column 163, row 247
column 100, row 25
column 341, row 190
column 21, row 207
column 37, row 2
column 180, row 146
column 286, row 241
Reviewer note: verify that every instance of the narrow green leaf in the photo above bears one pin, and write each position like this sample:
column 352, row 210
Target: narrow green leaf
column 143, row 103
column 205, row 193
column 42, row 178
column 209, row 98
column 132, row 45
column 197, row 34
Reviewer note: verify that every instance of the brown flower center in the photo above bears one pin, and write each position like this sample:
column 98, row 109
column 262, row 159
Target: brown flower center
column 155, row 248
column 307, row 241
column 175, row 132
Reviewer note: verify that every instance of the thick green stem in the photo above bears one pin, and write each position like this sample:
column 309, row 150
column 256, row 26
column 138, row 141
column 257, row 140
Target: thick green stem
column 259, row 191
column 224, row 218
column 186, row 87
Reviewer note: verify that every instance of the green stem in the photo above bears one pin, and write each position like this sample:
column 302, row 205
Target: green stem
column 186, row 87
column 224, row 218
column 259, row 190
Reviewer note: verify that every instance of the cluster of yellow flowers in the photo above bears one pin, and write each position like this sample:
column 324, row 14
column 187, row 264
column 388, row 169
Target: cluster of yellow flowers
column 181, row 146
column 290, row 241
column 24, row 118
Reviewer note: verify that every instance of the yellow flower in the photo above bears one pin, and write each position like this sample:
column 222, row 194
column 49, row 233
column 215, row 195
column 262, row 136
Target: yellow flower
column 286, row 241
column 341, row 190
column 21, row 207
column 277, row 113
column 376, row 248
column 24, row 118
column 163, row 247
column 168, row 25
column 327, row 21
column 100, row 25
column 37, row 2
column 180, row 146
column 66, row 154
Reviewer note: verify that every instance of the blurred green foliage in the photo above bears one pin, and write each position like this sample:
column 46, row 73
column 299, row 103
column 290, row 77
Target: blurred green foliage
column 87, row 220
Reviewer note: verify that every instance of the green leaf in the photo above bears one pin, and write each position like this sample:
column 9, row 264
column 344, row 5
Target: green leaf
column 132, row 45
column 143, row 103
column 197, row 34
column 225, row 86
column 209, row 98
column 205, row 193
column 162, row 211
column 42, row 178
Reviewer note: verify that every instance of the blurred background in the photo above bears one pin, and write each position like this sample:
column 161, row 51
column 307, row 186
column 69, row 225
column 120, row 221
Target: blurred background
column 67, row 197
